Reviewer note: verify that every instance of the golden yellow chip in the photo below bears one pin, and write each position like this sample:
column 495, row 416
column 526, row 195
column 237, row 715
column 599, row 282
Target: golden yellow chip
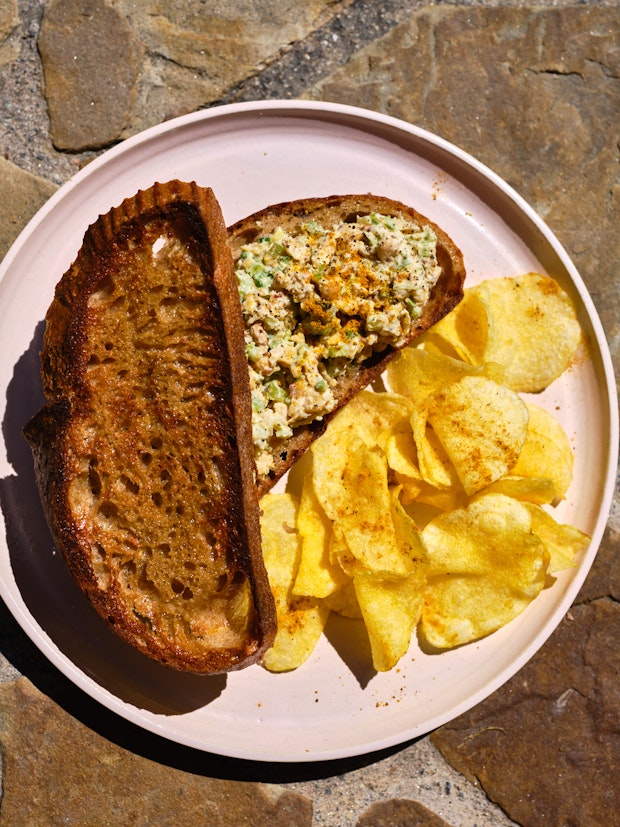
column 532, row 329
column 341, row 555
column 435, row 466
column 419, row 370
column 546, row 452
column 317, row 576
column 300, row 619
column 355, row 496
column 484, row 567
column 402, row 455
column 407, row 533
column 539, row 490
column 391, row 610
column 463, row 332
column 482, row 427
column 563, row 542
column 442, row 499
column 344, row 602
column 416, row 373
column 374, row 416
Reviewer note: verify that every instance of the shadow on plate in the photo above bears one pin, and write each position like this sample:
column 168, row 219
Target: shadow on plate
column 54, row 601
column 71, row 626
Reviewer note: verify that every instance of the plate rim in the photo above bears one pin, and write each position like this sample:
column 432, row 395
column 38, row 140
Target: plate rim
column 358, row 116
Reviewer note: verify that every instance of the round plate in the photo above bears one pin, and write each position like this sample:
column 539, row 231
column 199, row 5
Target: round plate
column 335, row 705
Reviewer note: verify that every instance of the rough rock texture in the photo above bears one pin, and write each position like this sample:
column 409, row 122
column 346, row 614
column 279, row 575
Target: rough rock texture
column 546, row 746
column 101, row 783
column 9, row 22
column 91, row 59
column 399, row 812
column 22, row 195
column 112, row 69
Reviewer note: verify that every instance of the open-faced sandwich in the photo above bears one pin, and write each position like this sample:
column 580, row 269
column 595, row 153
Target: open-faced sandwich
column 182, row 382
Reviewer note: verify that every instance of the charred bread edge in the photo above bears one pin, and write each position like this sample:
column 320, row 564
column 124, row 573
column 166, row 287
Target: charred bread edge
column 60, row 369
column 445, row 295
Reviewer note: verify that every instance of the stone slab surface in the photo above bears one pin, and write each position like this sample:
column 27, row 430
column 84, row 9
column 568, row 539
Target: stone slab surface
column 101, row 783
column 539, row 744
column 530, row 89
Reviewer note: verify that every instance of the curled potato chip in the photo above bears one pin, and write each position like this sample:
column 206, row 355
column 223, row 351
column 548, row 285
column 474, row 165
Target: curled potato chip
column 484, row 567
column 355, row 496
column 300, row 619
column 368, row 417
column 435, row 466
column 341, row 555
column 417, row 372
column 482, row 427
column 546, row 452
column 391, row 607
column 563, row 542
column 374, row 416
column 317, row 575
column 532, row 331
column 391, row 610
column 402, row 455
column 463, row 332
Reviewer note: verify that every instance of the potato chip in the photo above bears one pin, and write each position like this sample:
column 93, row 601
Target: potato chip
column 563, row 542
column 341, row 555
column 344, row 602
column 355, row 496
column 317, row 576
column 300, row 619
column 391, row 610
column 408, row 536
column 402, row 455
column 369, row 417
column 533, row 329
column 443, row 499
column 415, row 373
column 463, row 332
column 435, row 466
column 484, row 567
column 546, row 452
column 539, row 490
column 374, row 416
column 482, row 427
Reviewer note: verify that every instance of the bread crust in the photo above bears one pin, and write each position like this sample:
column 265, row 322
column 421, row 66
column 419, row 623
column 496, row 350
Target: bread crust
column 445, row 295
column 206, row 605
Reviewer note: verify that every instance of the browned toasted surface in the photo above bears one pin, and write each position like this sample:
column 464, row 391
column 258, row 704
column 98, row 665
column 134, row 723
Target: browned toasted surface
column 144, row 453
column 444, row 296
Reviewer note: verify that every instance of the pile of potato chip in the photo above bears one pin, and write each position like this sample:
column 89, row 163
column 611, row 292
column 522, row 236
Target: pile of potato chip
column 427, row 506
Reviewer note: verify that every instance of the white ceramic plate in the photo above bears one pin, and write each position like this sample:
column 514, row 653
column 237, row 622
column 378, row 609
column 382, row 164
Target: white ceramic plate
column 252, row 155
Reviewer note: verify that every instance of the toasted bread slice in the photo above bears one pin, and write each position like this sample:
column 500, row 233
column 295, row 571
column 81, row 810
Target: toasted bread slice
column 143, row 453
column 332, row 288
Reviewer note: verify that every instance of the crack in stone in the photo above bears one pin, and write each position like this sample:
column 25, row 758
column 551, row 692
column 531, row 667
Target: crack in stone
column 555, row 73
column 308, row 60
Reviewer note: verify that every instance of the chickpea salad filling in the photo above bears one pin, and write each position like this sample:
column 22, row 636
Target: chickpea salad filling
column 318, row 299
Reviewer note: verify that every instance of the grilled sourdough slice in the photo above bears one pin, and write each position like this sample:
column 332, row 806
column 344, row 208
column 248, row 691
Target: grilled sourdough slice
column 143, row 453
column 331, row 289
